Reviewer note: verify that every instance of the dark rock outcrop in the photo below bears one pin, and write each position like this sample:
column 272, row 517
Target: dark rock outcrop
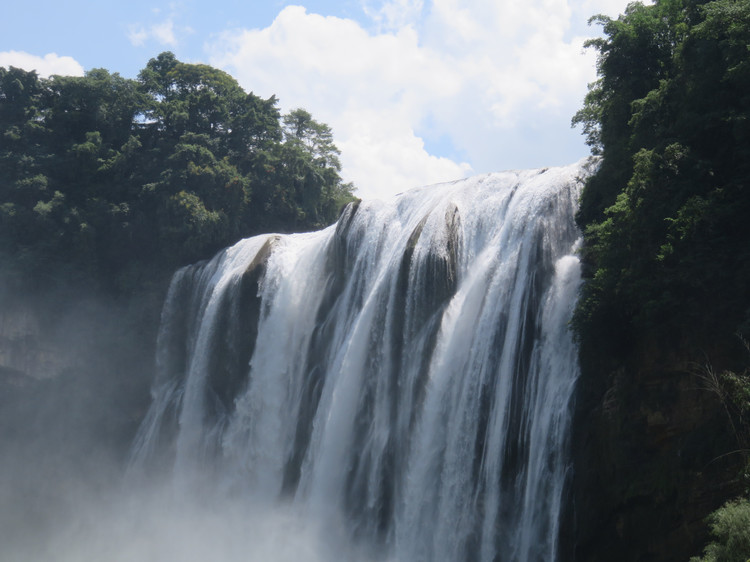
column 653, row 457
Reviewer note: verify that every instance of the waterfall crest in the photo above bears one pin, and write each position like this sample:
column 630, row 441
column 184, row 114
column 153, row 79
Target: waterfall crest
column 407, row 372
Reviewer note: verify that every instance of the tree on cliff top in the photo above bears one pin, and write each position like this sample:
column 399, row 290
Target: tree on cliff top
column 112, row 181
column 666, row 249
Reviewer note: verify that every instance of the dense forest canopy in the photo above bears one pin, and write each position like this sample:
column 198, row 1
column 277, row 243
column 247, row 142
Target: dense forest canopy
column 107, row 181
column 667, row 236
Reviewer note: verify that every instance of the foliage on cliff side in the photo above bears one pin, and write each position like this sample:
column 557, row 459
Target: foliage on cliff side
column 666, row 259
column 109, row 181
column 730, row 527
column 667, row 236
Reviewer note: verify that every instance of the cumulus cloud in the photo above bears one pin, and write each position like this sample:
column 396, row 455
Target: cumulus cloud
column 45, row 66
column 371, row 89
column 500, row 80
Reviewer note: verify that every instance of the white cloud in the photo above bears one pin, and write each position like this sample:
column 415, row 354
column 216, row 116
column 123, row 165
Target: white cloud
column 137, row 35
column 393, row 14
column 499, row 79
column 384, row 157
column 165, row 33
column 370, row 89
column 45, row 66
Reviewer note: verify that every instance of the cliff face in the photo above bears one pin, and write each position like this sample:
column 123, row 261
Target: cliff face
column 25, row 350
column 74, row 378
column 74, row 371
column 653, row 458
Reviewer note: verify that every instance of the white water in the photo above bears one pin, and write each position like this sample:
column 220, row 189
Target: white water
column 408, row 395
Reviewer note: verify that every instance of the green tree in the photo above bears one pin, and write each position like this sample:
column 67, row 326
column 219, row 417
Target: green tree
column 664, row 217
column 730, row 526
column 116, row 180
column 310, row 168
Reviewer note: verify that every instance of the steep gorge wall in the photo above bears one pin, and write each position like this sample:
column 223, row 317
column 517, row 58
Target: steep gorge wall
column 653, row 457
column 74, row 379
column 75, row 369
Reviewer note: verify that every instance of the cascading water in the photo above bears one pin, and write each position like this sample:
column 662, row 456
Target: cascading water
column 405, row 375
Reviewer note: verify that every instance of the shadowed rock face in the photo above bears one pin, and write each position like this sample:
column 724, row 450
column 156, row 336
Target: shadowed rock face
column 85, row 359
column 339, row 263
column 650, row 444
column 237, row 332
column 75, row 373
column 229, row 344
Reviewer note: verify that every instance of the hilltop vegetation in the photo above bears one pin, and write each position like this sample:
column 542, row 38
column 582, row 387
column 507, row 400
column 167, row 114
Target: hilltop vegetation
column 108, row 182
column 665, row 217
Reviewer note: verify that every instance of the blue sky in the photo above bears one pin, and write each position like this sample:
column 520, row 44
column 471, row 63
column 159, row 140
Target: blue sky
column 416, row 91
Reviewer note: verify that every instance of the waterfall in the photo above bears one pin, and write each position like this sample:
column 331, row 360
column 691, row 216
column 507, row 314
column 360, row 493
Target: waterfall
column 405, row 375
